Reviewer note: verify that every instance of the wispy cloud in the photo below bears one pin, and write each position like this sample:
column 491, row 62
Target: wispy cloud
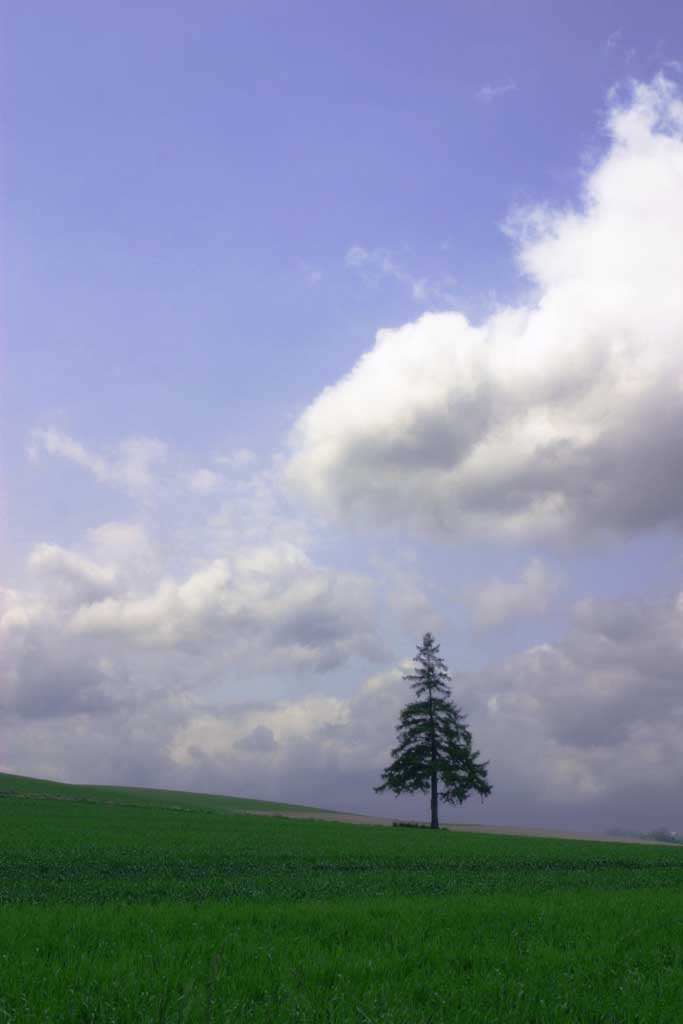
column 615, row 46
column 239, row 458
column 129, row 466
column 494, row 90
column 204, row 481
column 613, row 40
column 312, row 275
column 377, row 264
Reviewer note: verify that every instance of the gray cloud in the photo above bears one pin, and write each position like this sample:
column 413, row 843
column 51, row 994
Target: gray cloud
column 48, row 681
column 496, row 601
column 107, row 623
column 269, row 604
column 76, row 578
column 260, row 740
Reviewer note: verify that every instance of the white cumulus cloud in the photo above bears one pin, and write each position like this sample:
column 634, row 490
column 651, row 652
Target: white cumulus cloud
column 559, row 418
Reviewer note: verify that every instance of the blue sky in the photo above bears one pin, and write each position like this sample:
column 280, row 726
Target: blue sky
column 207, row 220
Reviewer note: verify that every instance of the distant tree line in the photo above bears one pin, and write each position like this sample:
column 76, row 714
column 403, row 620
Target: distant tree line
column 661, row 834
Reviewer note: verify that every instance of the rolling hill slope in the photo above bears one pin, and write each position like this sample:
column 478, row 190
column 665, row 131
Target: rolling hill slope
column 46, row 789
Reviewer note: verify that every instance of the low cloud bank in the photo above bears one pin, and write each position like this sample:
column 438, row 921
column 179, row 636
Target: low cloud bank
column 582, row 733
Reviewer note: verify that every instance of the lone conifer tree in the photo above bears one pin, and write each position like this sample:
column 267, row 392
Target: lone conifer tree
column 434, row 742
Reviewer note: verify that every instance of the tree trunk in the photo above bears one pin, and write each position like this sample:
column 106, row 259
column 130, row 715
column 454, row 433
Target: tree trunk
column 435, row 798
column 435, row 803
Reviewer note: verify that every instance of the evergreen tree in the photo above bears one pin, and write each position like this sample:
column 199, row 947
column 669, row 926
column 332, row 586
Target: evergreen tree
column 434, row 743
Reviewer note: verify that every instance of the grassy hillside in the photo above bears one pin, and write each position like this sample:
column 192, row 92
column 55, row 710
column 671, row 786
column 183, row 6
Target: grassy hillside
column 113, row 912
column 20, row 785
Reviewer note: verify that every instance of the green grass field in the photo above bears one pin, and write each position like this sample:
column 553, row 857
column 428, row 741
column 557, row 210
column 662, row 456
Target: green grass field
column 146, row 909
column 19, row 785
